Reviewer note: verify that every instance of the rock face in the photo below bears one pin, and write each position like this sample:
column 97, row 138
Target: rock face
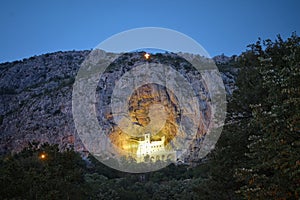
column 152, row 108
column 36, row 100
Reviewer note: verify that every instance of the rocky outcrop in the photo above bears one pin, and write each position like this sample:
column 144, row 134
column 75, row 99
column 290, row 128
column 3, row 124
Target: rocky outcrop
column 36, row 99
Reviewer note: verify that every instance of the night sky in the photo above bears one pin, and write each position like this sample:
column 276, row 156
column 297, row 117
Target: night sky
column 36, row 27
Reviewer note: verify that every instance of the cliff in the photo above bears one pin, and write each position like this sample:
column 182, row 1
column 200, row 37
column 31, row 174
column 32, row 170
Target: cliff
column 36, row 99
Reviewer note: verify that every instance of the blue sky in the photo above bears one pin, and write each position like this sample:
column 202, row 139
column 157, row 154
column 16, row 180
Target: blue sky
column 35, row 27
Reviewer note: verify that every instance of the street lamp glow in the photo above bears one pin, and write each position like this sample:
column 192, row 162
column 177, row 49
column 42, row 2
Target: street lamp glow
column 43, row 156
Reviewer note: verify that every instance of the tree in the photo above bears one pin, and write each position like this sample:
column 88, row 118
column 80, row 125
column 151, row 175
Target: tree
column 274, row 168
column 42, row 172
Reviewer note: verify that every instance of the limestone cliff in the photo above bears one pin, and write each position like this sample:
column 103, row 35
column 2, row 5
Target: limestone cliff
column 36, row 99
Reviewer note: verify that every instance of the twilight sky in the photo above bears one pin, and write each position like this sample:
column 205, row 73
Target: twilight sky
column 35, row 27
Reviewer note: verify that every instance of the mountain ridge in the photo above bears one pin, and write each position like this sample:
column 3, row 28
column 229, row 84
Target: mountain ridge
column 35, row 99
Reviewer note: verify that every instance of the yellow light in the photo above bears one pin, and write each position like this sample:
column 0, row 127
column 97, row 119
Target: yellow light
column 147, row 56
column 43, row 156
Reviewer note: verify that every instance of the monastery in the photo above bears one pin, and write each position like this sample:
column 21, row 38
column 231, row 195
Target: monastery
column 154, row 150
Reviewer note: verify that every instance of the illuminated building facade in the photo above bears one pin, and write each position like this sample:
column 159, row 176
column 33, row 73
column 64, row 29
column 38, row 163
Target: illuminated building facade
column 153, row 150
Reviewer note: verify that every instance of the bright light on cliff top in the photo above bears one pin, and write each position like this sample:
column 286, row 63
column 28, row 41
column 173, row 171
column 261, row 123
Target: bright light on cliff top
column 147, row 56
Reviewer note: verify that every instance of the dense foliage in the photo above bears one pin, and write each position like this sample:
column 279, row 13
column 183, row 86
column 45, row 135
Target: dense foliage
column 256, row 157
column 273, row 170
column 42, row 173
